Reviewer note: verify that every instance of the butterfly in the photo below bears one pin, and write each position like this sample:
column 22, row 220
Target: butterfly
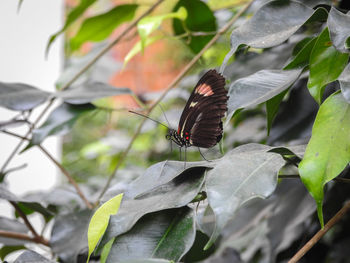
column 200, row 122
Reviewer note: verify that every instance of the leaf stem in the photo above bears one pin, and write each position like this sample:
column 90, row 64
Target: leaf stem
column 340, row 214
column 169, row 87
column 21, row 236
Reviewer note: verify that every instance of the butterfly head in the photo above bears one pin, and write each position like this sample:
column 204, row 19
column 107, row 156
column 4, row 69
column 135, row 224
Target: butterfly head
column 175, row 137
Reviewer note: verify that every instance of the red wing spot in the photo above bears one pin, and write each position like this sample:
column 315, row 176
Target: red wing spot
column 187, row 138
column 186, row 133
column 205, row 90
column 178, row 130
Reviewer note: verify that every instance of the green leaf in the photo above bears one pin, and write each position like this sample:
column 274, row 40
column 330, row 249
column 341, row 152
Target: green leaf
column 344, row 81
column 167, row 234
column 328, row 151
column 105, row 251
column 72, row 16
column 338, row 24
column 5, row 250
column 99, row 221
column 255, row 175
column 21, row 97
column 138, row 47
column 201, row 19
column 326, row 64
column 150, row 23
column 89, row 92
column 60, row 121
column 99, row 27
column 258, row 88
column 272, row 106
column 301, row 59
column 166, row 193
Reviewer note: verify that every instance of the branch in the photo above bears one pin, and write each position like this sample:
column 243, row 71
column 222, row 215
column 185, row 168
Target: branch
column 63, row 170
column 339, row 215
column 21, row 236
column 171, row 86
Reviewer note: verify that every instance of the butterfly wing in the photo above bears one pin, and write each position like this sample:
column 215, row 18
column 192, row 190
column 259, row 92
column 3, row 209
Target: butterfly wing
column 200, row 123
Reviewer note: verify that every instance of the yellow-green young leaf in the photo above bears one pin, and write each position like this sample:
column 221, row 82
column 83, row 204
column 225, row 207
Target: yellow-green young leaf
column 137, row 48
column 148, row 24
column 99, row 27
column 326, row 64
column 328, row 151
column 99, row 221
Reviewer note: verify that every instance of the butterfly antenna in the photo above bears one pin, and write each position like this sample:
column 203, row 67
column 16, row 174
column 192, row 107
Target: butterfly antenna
column 161, row 108
column 140, row 114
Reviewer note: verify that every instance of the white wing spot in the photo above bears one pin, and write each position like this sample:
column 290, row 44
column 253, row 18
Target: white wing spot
column 193, row 104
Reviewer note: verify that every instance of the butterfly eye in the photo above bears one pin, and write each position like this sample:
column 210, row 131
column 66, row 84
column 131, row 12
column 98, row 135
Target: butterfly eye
column 168, row 137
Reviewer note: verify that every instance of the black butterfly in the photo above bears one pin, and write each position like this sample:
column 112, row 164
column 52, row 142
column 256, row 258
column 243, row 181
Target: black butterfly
column 200, row 123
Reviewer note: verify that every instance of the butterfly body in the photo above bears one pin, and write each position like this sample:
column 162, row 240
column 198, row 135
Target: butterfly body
column 200, row 122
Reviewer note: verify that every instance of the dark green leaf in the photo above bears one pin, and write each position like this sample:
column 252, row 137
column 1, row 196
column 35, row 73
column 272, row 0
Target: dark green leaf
column 30, row 256
column 326, row 64
column 60, row 121
column 12, row 226
column 176, row 193
column 344, row 81
column 258, row 88
column 272, row 106
column 6, row 250
column 99, row 27
column 301, row 59
column 69, row 235
column 89, row 92
column 339, row 29
column 271, row 25
column 21, row 97
column 166, row 234
column 200, row 19
column 328, row 151
column 255, row 175
column 72, row 16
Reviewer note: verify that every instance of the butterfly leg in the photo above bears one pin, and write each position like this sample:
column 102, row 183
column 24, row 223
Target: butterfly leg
column 203, row 155
column 185, row 158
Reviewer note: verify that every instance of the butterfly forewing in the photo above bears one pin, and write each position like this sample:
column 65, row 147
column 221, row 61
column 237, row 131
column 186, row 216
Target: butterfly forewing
column 200, row 123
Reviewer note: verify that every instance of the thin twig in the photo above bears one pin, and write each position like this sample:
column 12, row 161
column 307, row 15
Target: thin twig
column 63, row 170
column 25, row 219
column 21, row 236
column 339, row 215
column 171, row 86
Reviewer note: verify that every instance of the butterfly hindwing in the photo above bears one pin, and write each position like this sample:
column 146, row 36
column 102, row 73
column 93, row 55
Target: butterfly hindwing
column 200, row 123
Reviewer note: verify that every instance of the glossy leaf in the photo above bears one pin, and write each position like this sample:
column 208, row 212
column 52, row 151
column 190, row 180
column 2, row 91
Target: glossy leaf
column 99, row 27
column 201, row 19
column 344, row 81
column 301, row 59
column 255, row 175
column 137, row 48
column 328, row 151
column 272, row 106
column 60, row 121
column 72, row 16
column 150, row 23
column 21, row 97
column 32, row 256
column 175, row 193
column 326, row 64
column 99, row 221
column 68, row 235
column 167, row 234
column 258, row 88
column 89, row 92
column 273, row 24
column 6, row 250
column 339, row 29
